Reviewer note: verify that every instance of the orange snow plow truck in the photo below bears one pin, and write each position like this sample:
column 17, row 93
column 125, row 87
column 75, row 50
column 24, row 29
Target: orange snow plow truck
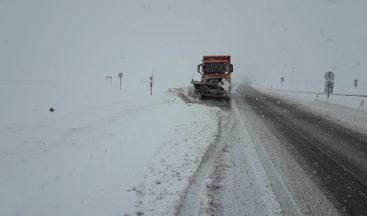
column 215, row 77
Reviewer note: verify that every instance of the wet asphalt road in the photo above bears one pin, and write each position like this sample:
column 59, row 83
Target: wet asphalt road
column 334, row 156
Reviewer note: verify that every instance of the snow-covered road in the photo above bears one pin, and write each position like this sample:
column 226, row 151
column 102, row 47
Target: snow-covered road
column 231, row 179
column 275, row 158
column 321, row 162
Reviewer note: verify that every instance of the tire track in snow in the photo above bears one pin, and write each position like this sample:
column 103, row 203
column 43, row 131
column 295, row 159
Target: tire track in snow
column 280, row 188
column 221, row 186
column 194, row 203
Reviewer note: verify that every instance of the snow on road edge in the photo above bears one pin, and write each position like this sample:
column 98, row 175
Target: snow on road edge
column 167, row 179
column 264, row 170
column 347, row 114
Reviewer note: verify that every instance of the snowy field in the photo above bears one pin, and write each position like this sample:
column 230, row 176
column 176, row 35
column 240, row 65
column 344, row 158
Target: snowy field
column 100, row 153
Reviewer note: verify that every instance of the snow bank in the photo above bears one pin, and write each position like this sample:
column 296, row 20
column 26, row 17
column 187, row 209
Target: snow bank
column 176, row 161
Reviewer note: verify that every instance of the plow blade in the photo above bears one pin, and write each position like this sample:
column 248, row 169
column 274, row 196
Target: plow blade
column 210, row 90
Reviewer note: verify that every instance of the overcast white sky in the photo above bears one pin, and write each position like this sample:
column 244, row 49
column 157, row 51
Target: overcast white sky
column 58, row 41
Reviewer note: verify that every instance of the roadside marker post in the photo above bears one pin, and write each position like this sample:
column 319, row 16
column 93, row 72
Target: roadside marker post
column 329, row 83
column 151, row 85
column 120, row 76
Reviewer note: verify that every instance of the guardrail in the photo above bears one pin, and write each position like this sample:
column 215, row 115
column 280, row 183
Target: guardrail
column 320, row 93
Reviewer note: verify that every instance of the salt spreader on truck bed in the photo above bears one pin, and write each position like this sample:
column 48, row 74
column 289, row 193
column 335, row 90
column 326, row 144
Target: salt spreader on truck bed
column 215, row 77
